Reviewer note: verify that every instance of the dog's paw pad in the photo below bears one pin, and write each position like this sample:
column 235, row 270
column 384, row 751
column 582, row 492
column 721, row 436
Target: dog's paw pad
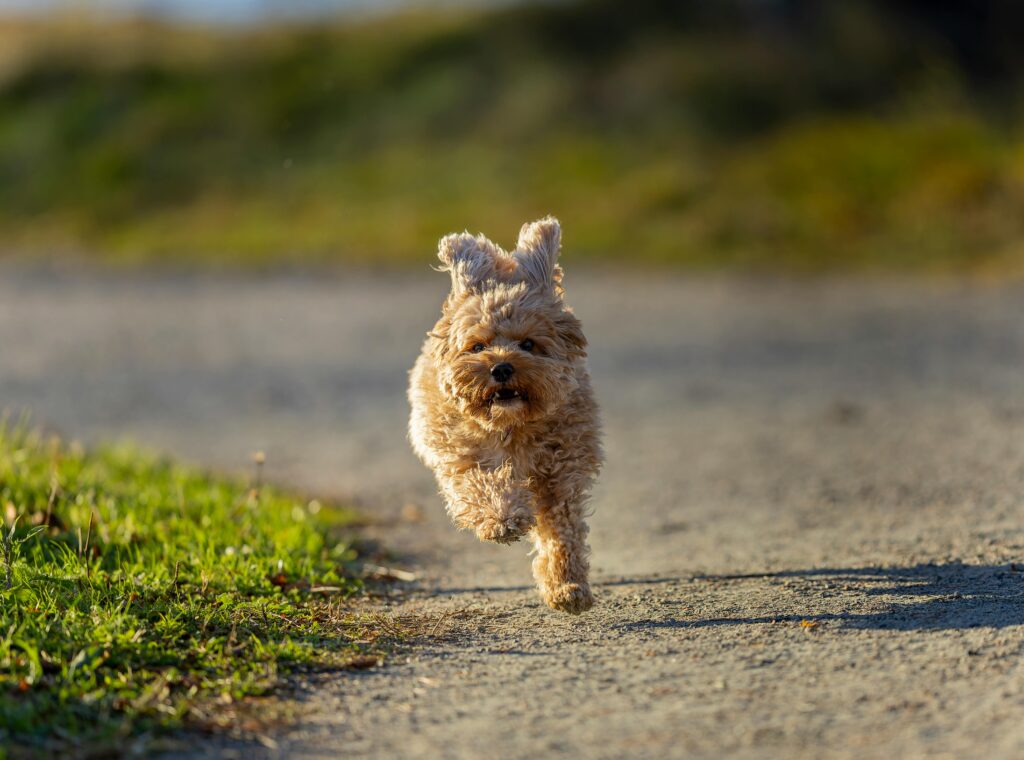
column 573, row 598
column 506, row 531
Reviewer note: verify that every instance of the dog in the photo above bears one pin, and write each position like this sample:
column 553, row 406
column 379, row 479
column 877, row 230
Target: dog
column 502, row 406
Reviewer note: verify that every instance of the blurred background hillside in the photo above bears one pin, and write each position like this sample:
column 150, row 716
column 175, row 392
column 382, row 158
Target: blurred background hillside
column 764, row 135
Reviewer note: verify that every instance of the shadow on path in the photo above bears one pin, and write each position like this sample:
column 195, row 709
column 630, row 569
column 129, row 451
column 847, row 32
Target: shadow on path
column 651, row 581
column 924, row 597
column 921, row 597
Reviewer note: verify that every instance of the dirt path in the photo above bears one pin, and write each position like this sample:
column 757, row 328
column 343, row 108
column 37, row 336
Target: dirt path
column 803, row 540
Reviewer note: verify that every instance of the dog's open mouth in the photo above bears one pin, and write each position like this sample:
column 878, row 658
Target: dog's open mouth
column 508, row 397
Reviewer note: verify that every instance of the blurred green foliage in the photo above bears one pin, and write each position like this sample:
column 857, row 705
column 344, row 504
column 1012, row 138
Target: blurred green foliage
column 756, row 136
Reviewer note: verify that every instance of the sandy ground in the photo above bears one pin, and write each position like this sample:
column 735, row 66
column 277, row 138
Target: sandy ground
column 805, row 539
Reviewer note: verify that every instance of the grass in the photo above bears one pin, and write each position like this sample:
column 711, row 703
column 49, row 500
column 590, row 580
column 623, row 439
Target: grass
column 849, row 135
column 138, row 596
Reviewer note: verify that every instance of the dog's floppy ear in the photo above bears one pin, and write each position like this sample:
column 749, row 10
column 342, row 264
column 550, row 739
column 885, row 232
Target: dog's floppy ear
column 537, row 251
column 571, row 332
column 469, row 259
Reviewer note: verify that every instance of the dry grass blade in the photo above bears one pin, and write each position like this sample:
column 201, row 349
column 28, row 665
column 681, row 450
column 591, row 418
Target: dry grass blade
column 440, row 620
column 388, row 624
column 381, row 573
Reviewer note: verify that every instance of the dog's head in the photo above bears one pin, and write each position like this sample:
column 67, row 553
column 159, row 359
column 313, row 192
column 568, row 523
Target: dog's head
column 506, row 345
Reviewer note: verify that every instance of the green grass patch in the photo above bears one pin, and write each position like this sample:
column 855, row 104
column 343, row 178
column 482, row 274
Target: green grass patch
column 137, row 595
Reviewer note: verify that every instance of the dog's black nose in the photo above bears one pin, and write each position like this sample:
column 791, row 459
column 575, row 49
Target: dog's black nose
column 502, row 372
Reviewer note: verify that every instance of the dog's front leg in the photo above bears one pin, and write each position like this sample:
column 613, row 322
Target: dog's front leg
column 560, row 538
column 493, row 503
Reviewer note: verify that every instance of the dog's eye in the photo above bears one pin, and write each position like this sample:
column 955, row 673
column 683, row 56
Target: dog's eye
column 526, row 345
column 477, row 348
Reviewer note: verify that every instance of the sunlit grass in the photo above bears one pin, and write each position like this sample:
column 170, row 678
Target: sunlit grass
column 143, row 595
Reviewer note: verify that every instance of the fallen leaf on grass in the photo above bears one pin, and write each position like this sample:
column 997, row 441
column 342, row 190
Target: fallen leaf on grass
column 363, row 662
column 809, row 625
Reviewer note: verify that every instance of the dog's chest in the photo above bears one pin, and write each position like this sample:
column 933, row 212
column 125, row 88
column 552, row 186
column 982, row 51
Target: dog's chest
column 521, row 450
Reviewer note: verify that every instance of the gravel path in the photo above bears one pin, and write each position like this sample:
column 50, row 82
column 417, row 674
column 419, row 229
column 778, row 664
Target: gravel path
column 804, row 540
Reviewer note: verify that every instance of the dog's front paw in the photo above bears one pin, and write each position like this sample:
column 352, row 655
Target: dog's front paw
column 573, row 598
column 505, row 530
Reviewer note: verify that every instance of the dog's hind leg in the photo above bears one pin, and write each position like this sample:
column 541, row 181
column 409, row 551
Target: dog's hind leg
column 490, row 502
column 560, row 538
